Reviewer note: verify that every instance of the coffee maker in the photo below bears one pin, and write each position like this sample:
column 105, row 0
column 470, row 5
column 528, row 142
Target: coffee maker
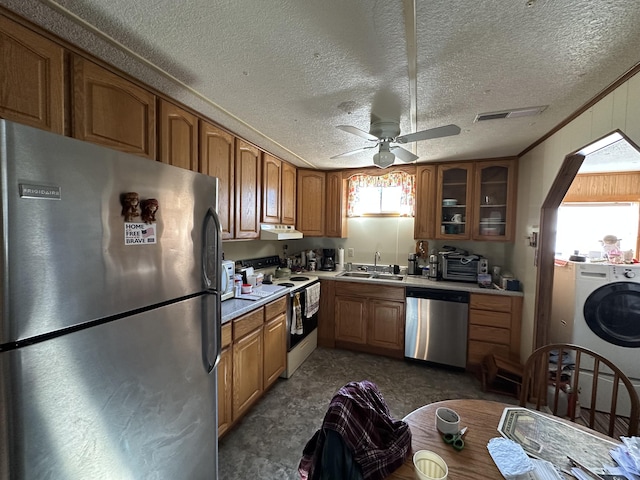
column 328, row 259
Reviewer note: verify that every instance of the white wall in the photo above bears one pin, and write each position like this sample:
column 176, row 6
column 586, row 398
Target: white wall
column 391, row 236
column 538, row 169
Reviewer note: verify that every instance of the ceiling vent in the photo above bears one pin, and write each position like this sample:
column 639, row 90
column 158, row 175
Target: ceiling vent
column 515, row 113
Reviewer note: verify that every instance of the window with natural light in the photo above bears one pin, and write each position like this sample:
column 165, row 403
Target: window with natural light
column 582, row 226
column 389, row 194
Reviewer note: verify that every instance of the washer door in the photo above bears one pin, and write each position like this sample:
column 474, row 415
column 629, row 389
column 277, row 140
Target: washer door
column 612, row 312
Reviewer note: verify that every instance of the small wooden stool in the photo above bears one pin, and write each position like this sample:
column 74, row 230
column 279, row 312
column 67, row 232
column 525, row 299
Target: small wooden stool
column 501, row 375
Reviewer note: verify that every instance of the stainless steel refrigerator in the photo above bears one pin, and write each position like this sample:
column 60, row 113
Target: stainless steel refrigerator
column 109, row 313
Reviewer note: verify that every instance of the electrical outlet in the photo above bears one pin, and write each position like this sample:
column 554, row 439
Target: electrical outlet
column 350, row 252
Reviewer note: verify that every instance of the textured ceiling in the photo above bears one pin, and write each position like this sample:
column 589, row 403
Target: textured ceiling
column 284, row 73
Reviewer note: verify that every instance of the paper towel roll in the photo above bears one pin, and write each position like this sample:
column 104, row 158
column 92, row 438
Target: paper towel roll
column 340, row 263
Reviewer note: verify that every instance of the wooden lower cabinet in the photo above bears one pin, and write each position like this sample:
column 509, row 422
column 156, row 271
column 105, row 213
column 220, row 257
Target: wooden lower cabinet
column 351, row 320
column 370, row 318
column 225, row 381
column 247, row 372
column 275, row 340
column 225, row 392
column 275, row 349
column 386, row 325
column 494, row 327
column 326, row 314
column 254, row 354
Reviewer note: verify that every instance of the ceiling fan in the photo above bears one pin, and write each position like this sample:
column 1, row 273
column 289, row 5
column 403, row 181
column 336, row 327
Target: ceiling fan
column 384, row 134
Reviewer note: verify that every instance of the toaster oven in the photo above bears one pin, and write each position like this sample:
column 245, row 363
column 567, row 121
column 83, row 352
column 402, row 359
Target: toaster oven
column 462, row 268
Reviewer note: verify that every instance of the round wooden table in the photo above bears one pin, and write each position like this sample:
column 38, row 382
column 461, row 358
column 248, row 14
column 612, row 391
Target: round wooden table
column 474, row 461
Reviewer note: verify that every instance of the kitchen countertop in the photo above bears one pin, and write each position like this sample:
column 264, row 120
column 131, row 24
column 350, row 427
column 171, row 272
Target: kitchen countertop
column 419, row 281
column 235, row 307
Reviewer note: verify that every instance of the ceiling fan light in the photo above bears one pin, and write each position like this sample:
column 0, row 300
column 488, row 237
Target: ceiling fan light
column 384, row 159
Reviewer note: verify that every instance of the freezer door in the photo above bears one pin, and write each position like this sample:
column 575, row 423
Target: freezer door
column 130, row 399
column 64, row 257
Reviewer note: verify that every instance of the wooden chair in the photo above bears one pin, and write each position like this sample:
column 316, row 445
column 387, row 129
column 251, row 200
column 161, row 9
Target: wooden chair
column 555, row 386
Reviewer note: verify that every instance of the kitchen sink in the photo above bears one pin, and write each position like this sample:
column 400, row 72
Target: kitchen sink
column 388, row 276
column 355, row 274
column 372, row 275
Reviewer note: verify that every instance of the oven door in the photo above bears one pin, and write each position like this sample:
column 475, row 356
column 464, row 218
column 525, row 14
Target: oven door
column 309, row 324
column 454, row 269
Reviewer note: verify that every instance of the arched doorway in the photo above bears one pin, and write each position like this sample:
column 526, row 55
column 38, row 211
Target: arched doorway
column 548, row 230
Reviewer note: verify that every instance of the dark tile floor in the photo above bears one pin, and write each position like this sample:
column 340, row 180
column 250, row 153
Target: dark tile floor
column 268, row 442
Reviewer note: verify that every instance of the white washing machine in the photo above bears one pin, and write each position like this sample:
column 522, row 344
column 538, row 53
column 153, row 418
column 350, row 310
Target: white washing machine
column 597, row 306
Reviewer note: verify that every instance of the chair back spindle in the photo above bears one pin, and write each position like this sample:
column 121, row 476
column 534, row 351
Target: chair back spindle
column 556, row 387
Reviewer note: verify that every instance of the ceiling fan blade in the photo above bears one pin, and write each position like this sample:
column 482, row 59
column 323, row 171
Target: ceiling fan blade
column 353, row 152
column 358, row 132
column 403, row 155
column 437, row 132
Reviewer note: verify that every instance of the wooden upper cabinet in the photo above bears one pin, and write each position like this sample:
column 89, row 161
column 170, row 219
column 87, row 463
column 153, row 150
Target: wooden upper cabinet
column 32, row 82
column 178, row 142
column 111, row 111
column 271, row 188
column 217, row 159
column 336, row 194
column 248, row 185
column 454, row 201
column 311, row 202
column 424, row 225
column 288, row 197
column 495, row 200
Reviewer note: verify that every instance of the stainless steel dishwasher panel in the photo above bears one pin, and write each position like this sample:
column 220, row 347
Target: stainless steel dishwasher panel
column 436, row 326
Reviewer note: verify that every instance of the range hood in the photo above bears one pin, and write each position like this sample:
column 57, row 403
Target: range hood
column 279, row 232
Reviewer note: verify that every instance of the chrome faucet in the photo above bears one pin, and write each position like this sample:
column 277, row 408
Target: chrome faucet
column 376, row 257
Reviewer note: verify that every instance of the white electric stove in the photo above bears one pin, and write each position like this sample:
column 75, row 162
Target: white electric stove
column 299, row 346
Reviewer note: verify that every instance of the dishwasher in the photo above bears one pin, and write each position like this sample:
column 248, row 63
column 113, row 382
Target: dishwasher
column 436, row 326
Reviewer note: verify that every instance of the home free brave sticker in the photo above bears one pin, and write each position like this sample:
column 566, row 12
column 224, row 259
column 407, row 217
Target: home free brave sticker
column 139, row 233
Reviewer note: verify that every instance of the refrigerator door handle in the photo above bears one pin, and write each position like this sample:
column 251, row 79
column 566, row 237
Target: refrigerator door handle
column 211, row 251
column 211, row 265
column 211, row 330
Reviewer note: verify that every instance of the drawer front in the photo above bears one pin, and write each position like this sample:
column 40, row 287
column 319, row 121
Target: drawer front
column 478, row 350
column 496, row 303
column 275, row 308
column 247, row 323
column 489, row 334
column 372, row 290
column 226, row 335
column 490, row 319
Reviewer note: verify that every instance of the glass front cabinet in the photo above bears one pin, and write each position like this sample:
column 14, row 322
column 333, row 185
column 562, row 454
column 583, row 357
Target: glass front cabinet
column 494, row 200
column 453, row 203
column 476, row 200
